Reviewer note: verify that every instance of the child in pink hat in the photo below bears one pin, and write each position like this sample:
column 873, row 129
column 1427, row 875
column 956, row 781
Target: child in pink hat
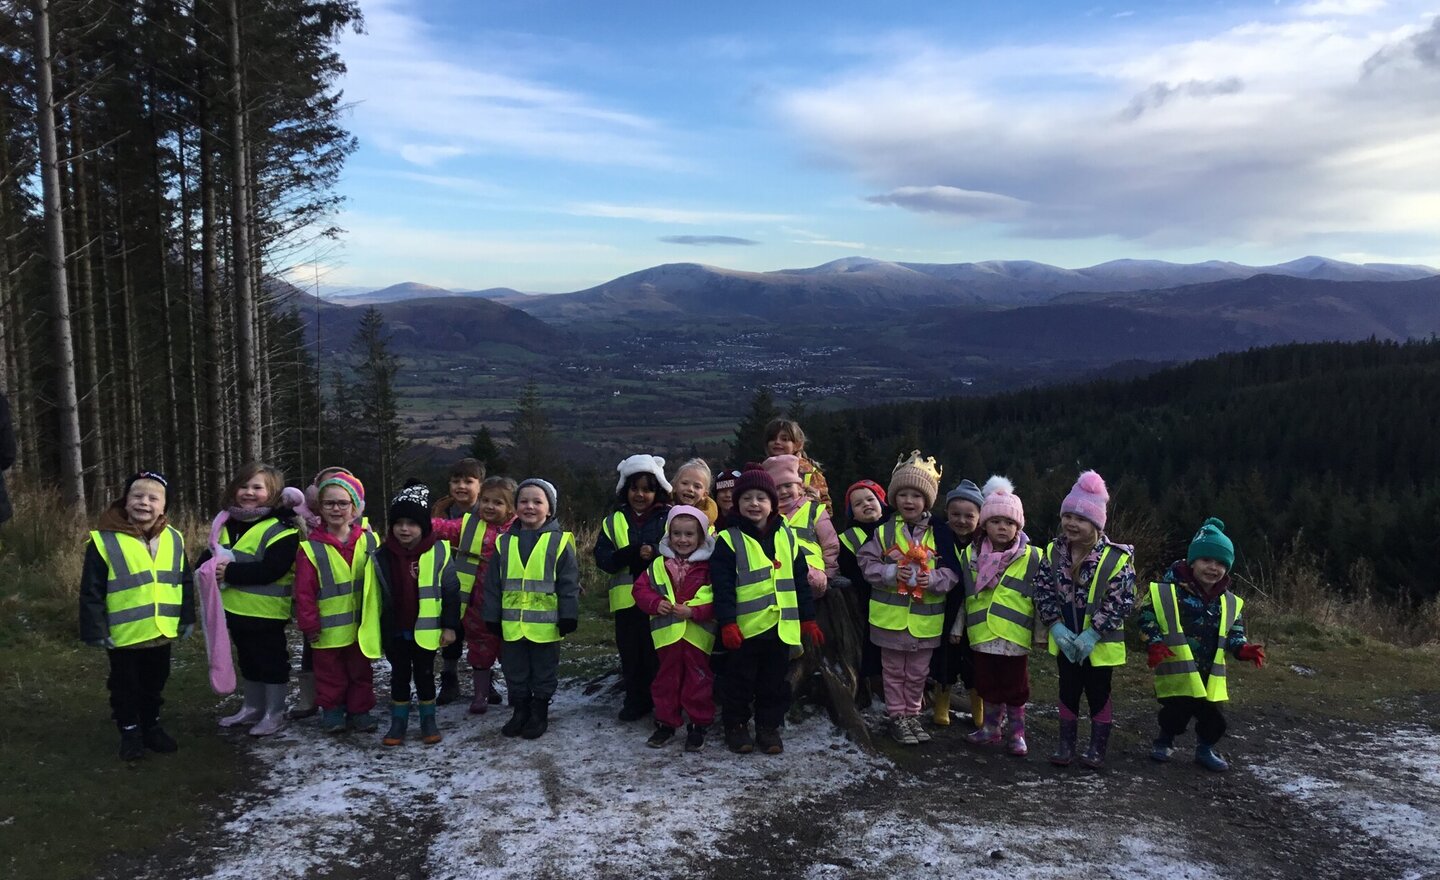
column 808, row 519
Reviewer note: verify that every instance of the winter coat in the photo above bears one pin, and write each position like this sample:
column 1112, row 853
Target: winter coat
column 696, row 575
column 647, row 529
column 880, row 571
column 7, row 457
column 567, row 574
column 449, row 530
column 307, row 580
column 400, row 599
column 826, row 537
column 814, row 480
column 1058, row 597
column 1199, row 618
column 722, row 572
column 94, row 573
column 279, row 557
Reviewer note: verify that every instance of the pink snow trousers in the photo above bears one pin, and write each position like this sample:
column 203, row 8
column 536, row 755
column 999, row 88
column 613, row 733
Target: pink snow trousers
column 683, row 682
column 903, row 674
column 344, row 679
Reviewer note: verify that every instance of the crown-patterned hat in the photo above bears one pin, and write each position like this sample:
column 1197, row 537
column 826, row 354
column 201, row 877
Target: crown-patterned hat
column 920, row 474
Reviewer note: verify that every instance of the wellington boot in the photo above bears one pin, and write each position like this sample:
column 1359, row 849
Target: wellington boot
column 429, row 727
column 273, row 721
column 449, row 686
column 480, row 703
column 1064, row 754
column 941, row 696
column 977, row 708
column 1094, row 757
column 539, row 720
column 988, row 733
column 251, row 709
column 520, row 715
column 305, row 703
column 332, row 720
column 399, row 723
column 1207, row 757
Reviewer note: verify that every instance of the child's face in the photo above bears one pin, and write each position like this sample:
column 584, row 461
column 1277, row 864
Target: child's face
column 407, row 532
column 790, row 493
column 532, row 507
column 641, row 494
column 464, row 490
column 690, row 488
column 724, row 498
column 864, row 506
column 145, row 503
column 755, row 506
column 336, row 508
column 782, row 444
column 1002, row 531
column 1078, row 529
column 252, row 493
column 1208, row 572
column 911, row 504
column 963, row 516
column 685, row 537
column 494, row 506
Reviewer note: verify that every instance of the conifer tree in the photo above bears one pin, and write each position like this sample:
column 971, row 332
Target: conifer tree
column 749, row 442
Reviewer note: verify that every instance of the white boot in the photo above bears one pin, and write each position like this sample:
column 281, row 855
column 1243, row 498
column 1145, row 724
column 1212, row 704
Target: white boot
column 274, row 719
column 251, row 710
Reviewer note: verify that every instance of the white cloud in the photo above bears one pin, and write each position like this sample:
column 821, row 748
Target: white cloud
column 416, row 98
column 661, row 214
column 1264, row 133
column 1340, row 7
column 954, row 201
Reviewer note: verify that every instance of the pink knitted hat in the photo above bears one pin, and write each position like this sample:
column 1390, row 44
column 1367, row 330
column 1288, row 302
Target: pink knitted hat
column 783, row 469
column 1088, row 498
column 687, row 510
column 1001, row 500
column 351, row 484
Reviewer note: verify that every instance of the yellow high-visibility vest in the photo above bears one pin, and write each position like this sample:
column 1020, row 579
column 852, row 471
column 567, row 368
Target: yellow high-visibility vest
column 890, row 610
column 347, row 610
column 529, row 608
column 1179, row 676
column 270, row 601
column 1007, row 611
column 143, row 593
column 667, row 629
column 765, row 588
column 1110, row 650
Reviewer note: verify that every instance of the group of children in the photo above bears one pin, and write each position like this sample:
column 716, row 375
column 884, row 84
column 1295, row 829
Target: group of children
column 714, row 580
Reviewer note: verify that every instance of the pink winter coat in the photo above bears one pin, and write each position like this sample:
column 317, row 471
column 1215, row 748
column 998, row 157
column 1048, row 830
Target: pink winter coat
column 686, row 578
column 307, row 581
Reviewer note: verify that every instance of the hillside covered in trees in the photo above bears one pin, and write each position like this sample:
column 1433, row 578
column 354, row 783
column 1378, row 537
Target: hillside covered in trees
column 1329, row 445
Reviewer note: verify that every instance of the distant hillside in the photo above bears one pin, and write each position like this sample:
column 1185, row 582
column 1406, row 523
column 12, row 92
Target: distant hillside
column 441, row 324
column 1331, row 445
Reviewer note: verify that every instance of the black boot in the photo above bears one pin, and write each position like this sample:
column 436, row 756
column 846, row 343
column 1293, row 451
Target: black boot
column 449, row 687
column 520, row 718
column 767, row 740
column 539, row 720
column 132, row 743
column 737, row 739
column 157, row 740
column 694, row 738
column 662, row 735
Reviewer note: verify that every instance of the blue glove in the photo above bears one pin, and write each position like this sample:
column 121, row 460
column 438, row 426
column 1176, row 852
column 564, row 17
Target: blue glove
column 1064, row 639
column 1085, row 643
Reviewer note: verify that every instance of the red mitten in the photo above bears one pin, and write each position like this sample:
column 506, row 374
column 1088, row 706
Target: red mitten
column 1254, row 653
column 1158, row 654
column 812, row 629
column 730, row 635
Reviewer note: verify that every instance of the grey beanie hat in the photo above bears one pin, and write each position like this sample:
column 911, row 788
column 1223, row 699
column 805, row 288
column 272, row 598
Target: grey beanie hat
column 545, row 486
column 966, row 491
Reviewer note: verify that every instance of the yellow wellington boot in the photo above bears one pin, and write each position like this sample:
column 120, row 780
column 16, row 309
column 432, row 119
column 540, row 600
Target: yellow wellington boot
column 977, row 708
column 941, row 696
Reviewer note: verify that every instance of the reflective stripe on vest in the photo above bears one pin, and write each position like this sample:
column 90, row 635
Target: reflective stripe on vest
column 529, row 608
column 342, row 596
column 429, row 577
column 1179, row 676
column 853, row 539
column 143, row 594
column 270, row 601
column 667, row 629
column 889, row 610
column 469, row 553
column 617, row 529
column 1008, row 610
column 802, row 526
column 764, row 587
column 1110, row 651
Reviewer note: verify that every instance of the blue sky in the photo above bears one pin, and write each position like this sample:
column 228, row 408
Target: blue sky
column 550, row 145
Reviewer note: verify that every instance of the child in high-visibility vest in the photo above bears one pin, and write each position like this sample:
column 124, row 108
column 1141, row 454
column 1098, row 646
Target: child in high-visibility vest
column 466, row 477
column 532, row 600
column 628, row 542
column 136, row 598
column 419, row 602
column 763, row 606
column 675, row 591
column 785, row 437
column 866, row 509
column 692, row 487
column 305, row 679
column 1191, row 620
column 952, row 663
column 334, row 554
column 907, row 598
column 999, row 615
column 808, row 519
column 473, row 537
column 256, row 590
column 1084, row 592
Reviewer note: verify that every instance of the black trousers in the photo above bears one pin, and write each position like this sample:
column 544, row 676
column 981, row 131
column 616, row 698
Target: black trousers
column 1176, row 712
column 260, row 647
column 453, row 650
column 1092, row 681
column 638, row 664
column 410, row 662
column 137, row 678
column 755, row 675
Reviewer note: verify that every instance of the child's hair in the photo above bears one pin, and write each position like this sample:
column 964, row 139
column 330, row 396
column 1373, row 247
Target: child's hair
column 274, row 483
column 504, row 485
column 622, row 497
column 694, row 464
column 785, row 426
column 468, row 467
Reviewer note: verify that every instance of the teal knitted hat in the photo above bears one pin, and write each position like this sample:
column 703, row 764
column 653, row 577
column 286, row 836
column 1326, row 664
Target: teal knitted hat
column 1210, row 543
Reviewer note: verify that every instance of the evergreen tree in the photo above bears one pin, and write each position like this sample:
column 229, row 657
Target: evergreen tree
column 376, row 406
column 484, row 448
column 749, row 442
column 532, row 441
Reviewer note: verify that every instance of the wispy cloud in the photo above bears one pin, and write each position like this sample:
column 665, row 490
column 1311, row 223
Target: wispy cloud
column 1156, row 96
column 708, row 240
column 952, row 200
column 661, row 214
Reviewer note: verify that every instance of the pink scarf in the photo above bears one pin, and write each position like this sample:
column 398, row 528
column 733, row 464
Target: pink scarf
column 991, row 563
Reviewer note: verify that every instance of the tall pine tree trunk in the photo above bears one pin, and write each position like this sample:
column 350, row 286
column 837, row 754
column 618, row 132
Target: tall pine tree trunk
column 67, row 407
column 194, row 446
column 214, row 429
column 246, row 356
column 96, row 434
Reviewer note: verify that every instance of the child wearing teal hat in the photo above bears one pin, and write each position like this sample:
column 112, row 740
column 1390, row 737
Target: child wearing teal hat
column 1192, row 621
